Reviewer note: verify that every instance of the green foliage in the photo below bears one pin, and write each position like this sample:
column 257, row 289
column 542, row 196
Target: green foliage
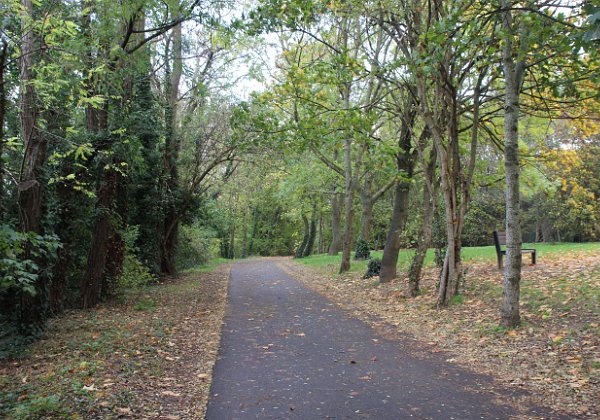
column 145, row 305
column 39, row 407
column 197, row 246
column 19, row 252
column 363, row 250
column 135, row 274
column 482, row 218
column 373, row 268
column 457, row 300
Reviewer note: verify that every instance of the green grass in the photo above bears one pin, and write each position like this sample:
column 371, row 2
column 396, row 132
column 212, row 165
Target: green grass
column 145, row 305
column 210, row 266
column 469, row 254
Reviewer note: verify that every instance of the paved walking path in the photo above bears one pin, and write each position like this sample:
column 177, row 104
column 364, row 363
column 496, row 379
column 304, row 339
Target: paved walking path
column 287, row 352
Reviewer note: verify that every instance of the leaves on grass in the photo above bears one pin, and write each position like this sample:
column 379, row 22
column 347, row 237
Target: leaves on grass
column 554, row 354
column 116, row 361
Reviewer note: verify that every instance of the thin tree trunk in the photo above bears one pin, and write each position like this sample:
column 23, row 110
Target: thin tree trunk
column 513, row 73
column 255, row 215
column 321, row 243
column 348, row 207
column 429, row 208
column 336, row 222
column 367, row 203
column 312, row 234
column 232, row 242
column 172, row 146
column 3, row 56
column 391, row 250
column 245, row 234
column 305, row 237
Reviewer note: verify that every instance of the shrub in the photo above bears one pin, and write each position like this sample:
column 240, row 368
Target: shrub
column 18, row 272
column 373, row 268
column 135, row 274
column 363, row 250
column 197, row 245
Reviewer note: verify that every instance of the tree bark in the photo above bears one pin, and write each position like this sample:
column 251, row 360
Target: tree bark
column 367, row 203
column 107, row 249
column 405, row 165
column 33, row 309
column 430, row 192
column 3, row 56
column 336, row 221
column 513, row 76
column 312, row 234
column 172, row 147
column 255, row 214
column 348, row 207
column 95, row 277
column 321, row 242
column 305, row 237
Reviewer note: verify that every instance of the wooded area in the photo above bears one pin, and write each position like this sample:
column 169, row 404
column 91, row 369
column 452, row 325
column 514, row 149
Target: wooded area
column 131, row 146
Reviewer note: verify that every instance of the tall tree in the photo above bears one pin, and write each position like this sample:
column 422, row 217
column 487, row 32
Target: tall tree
column 30, row 192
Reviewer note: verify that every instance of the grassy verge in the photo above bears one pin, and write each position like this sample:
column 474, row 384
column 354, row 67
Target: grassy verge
column 149, row 356
column 330, row 264
column 210, row 266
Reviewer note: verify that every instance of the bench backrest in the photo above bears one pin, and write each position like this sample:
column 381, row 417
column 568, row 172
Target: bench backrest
column 499, row 240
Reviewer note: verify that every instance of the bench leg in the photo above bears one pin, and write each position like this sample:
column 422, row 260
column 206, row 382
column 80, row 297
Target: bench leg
column 500, row 265
column 533, row 258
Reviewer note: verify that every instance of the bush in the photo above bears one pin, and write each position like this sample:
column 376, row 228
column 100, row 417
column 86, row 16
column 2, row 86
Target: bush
column 363, row 250
column 197, row 245
column 135, row 274
column 18, row 272
column 373, row 268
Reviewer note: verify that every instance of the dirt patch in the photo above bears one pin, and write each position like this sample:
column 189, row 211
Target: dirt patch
column 554, row 355
column 151, row 357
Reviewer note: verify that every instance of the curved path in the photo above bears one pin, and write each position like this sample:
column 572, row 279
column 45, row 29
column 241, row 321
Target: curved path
column 287, row 352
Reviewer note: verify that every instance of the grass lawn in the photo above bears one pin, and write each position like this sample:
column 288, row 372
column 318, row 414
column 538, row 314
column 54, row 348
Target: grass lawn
column 330, row 264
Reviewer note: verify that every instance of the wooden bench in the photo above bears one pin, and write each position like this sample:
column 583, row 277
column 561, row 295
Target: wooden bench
column 499, row 240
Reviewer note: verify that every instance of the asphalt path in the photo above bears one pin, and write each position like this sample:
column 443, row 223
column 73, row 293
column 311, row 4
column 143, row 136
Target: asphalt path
column 288, row 353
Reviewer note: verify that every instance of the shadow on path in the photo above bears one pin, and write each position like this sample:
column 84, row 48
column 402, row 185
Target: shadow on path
column 287, row 352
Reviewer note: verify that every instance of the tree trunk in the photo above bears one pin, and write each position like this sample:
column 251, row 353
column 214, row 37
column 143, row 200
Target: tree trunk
column 172, row 146
column 348, row 207
column 305, row 237
column 245, row 234
column 429, row 208
column 452, row 270
column 94, row 279
column 336, row 222
column 366, row 219
column 33, row 309
column 321, row 242
column 232, row 242
column 389, row 260
column 405, row 165
column 510, row 314
column 255, row 215
column 107, row 250
column 3, row 56
column 312, row 234
column 367, row 203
